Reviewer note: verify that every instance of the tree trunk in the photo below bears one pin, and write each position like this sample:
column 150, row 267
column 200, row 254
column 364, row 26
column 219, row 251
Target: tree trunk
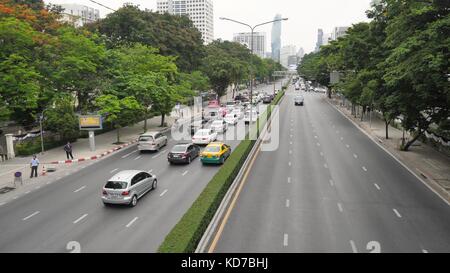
column 145, row 121
column 363, row 113
column 118, row 135
column 387, row 128
column 163, row 116
column 411, row 142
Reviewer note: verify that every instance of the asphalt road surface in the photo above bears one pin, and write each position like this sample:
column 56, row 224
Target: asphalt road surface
column 329, row 188
column 71, row 210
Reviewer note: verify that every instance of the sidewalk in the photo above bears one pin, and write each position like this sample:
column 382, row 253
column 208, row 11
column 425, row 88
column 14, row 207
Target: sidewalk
column 426, row 162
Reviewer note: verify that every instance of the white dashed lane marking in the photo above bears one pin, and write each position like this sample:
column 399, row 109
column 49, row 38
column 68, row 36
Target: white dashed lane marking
column 332, row 183
column 378, row 187
column 80, row 189
column 341, row 209
column 81, row 218
column 397, row 213
column 186, row 172
column 132, row 222
column 286, row 240
column 289, row 180
column 113, row 171
column 127, row 155
column 288, row 203
column 32, row 215
column 364, row 168
column 355, row 156
column 163, row 193
column 354, row 249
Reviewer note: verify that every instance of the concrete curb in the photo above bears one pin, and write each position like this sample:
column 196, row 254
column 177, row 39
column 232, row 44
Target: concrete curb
column 428, row 182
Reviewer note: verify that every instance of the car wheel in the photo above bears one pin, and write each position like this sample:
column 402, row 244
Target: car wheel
column 222, row 160
column 134, row 201
column 189, row 160
column 155, row 184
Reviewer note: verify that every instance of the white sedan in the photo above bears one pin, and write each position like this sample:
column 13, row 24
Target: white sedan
column 238, row 112
column 231, row 119
column 220, row 126
column 204, row 137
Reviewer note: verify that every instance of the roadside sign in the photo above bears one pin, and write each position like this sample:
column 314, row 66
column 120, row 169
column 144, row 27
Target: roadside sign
column 91, row 123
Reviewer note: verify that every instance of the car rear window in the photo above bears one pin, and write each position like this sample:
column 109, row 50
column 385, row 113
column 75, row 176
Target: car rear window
column 146, row 138
column 179, row 149
column 115, row 185
column 212, row 149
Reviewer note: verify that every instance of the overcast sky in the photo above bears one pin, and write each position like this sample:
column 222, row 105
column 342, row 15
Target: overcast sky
column 305, row 16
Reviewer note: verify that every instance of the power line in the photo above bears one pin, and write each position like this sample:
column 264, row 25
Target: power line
column 102, row 5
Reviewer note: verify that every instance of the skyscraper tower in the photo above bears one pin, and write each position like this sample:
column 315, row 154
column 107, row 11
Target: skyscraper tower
column 276, row 39
column 319, row 39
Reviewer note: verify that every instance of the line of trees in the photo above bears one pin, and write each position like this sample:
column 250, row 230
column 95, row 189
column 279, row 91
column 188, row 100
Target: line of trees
column 397, row 63
column 130, row 66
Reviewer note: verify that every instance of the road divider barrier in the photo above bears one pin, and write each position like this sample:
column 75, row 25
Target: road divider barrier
column 189, row 231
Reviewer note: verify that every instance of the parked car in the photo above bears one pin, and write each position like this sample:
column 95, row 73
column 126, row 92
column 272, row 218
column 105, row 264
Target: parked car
column 151, row 141
column 247, row 116
column 299, row 100
column 126, row 187
column 183, row 153
column 231, row 118
column 219, row 126
column 215, row 153
column 204, row 137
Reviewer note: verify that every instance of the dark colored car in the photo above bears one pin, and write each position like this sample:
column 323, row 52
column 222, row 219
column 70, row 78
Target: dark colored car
column 183, row 153
column 267, row 99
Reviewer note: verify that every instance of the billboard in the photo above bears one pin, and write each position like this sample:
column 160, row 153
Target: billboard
column 91, row 123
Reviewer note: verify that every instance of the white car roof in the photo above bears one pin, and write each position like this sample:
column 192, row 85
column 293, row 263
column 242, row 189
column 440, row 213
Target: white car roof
column 125, row 176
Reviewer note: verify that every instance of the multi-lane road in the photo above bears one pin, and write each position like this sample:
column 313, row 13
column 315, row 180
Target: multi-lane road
column 70, row 210
column 329, row 188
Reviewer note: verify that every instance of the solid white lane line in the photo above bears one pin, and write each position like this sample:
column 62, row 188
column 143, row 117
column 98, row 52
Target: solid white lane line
column 364, row 168
column 355, row 156
column 28, row 217
column 354, row 249
column 79, row 219
column 285, row 240
column 127, row 155
column 331, row 182
column 289, row 180
column 397, row 213
column 164, row 192
column 186, row 172
column 132, row 222
column 288, row 203
column 80, row 189
column 341, row 209
column 113, row 171
column 137, row 157
column 378, row 187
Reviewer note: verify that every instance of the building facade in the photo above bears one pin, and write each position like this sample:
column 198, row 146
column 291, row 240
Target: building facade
column 288, row 53
column 338, row 32
column 276, row 39
column 201, row 13
column 259, row 42
column 319, row 42
column 79, row 15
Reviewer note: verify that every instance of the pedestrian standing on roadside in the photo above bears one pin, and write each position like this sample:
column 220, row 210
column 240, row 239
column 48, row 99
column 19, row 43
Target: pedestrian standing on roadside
column 68, row 149
column 2, row 153
column 34, row 164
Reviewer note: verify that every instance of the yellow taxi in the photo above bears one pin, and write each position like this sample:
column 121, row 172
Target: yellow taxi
column 215, row 153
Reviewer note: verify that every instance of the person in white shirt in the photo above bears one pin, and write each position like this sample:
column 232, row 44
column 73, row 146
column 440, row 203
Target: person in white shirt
column 34, row 164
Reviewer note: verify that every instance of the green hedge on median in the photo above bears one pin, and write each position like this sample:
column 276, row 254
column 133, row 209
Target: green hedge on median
column 186, row 235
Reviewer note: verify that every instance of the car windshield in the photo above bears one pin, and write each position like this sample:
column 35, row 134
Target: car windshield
column 179, row 149
column 212, row 149
column 116, row 185
column 146, row 138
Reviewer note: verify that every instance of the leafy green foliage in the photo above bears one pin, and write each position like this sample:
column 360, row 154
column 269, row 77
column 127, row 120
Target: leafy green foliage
column 61, row 118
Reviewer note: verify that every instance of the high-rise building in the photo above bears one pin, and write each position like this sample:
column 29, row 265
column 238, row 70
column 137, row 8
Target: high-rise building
column 301, row 53
column 79, row 15
column 287, row 53
column 338, row 32
column 276, row 39
column 319, row 42
column 259, row 41
column 201, row 12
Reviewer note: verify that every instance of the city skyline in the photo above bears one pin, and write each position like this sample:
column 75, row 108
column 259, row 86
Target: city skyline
column 305, row 17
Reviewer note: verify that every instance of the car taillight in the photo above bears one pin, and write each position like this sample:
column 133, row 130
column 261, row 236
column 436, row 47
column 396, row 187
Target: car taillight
column 185, row 155
column 125, row 193
column 105, row 193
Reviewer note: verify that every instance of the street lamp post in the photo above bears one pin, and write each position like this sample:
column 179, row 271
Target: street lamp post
column 252, row 29
column 41, row 119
